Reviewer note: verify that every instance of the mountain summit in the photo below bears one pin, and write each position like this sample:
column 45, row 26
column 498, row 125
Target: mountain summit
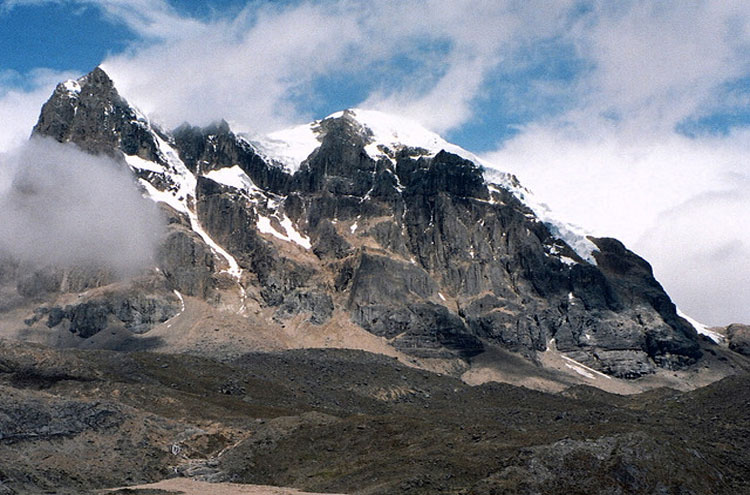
column 359, row 230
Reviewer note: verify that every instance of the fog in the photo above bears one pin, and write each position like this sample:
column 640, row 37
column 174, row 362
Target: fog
column 63, row 207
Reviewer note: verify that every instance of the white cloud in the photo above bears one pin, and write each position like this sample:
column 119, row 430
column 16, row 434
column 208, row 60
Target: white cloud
column 657, row 63
column 612, row 184
column 64, row 207
column 246, row 69
column 701, row 251
column 615, row 164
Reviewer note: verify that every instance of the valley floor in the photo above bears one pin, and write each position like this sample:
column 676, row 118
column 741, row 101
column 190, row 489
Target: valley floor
column 344, row 421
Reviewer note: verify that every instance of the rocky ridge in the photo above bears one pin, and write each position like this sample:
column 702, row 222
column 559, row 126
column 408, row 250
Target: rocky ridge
column 408, row 240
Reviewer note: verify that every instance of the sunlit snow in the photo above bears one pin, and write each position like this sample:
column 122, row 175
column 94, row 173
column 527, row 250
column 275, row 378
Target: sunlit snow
column 72, row 86
column 290, row 233
column 702, row 329
column 233, row 177
column 290, row 147
column 582, row 368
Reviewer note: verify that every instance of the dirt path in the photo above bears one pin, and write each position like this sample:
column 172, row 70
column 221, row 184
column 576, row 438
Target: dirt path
column 191, row 487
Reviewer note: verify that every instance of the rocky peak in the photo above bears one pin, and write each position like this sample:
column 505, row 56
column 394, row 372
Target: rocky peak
column 91, row 113
column 374, row 217
column 340, row 163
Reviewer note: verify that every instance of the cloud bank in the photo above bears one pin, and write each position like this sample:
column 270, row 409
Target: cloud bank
column 64, row 207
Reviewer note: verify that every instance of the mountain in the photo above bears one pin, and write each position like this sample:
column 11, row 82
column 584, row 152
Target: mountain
column 331, row 307
column 360, row 224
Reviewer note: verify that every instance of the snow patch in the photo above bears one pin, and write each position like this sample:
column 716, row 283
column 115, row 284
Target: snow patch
column 233, row 177
column 167, row 197
column 353, row 228
column 291, row 235
column 289, row 147
column 582, row 368
column 72, row 86
column 568, row 261
column 702, row 329
column 137, row 163
column 580, row 371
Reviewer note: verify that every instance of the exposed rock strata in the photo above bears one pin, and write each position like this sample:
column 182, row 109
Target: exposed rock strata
column 420, row 249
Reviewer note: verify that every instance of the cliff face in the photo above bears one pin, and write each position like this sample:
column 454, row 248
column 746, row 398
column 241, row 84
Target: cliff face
column 414, row 245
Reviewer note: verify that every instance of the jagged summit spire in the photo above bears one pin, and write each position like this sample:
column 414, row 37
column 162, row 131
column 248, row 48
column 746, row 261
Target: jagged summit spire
column 90, row 112
column 75, row 101
column 98, row 77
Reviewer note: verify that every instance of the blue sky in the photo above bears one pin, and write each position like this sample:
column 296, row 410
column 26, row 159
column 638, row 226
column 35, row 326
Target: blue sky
column 630, row 118
column 75, row 36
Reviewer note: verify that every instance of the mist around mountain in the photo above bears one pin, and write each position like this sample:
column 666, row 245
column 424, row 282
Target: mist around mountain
column 352, row 305
column 64, row 207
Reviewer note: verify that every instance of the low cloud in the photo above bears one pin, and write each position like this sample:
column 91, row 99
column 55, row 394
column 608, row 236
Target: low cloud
column 700, row 251
column 64, row 207
column 428, row 59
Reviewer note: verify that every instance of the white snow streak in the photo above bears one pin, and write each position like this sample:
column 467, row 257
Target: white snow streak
column 136, row 162
column 182, row 301
column 234, row 267
column 583, row 367
column 233, row 177
column 180, row 198
column 291, row 235
column 580, row 371
column 702, row 329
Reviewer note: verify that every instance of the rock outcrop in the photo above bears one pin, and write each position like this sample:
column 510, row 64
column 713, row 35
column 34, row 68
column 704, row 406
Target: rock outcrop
column 739, row 338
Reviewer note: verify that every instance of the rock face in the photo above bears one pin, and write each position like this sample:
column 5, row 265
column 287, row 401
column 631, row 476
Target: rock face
column 739, row 338
column 414, row 244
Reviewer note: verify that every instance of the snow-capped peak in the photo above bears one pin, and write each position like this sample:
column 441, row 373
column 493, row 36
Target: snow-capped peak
column 290, row 147
column 392, row 132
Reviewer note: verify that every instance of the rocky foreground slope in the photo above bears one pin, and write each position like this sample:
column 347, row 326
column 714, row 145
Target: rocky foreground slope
column 341, row 421
column 377, row 231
